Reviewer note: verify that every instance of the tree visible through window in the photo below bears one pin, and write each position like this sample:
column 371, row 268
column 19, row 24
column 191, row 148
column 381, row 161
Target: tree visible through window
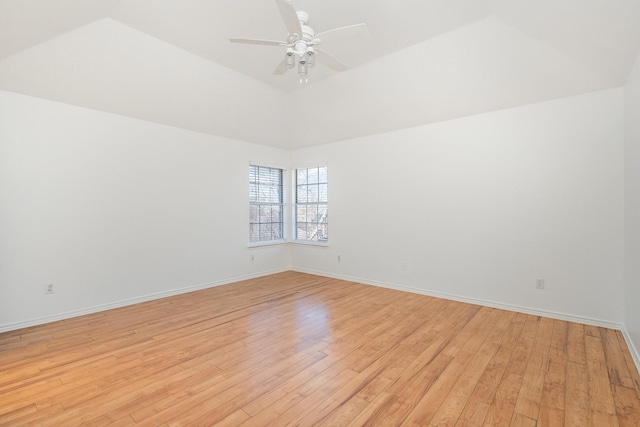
column 265, row 204
column 311, row 204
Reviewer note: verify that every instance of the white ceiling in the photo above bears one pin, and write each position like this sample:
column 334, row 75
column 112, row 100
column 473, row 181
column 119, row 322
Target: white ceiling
column 170, row 61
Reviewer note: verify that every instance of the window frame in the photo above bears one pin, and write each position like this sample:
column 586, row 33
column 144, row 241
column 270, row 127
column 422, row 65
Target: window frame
column 284, row 224
column 296, row 203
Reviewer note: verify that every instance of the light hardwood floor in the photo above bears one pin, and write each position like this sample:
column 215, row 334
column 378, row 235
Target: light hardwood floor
column 298, row 349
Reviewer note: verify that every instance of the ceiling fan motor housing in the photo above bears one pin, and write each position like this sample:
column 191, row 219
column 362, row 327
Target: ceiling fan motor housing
column 304, row 45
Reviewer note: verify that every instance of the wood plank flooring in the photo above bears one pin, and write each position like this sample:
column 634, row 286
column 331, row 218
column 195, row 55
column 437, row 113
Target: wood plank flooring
column 297, row 349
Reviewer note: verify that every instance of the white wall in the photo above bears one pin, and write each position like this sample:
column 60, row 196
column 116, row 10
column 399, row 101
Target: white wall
column 481, row 207
column 632, row 208
column 113, row 209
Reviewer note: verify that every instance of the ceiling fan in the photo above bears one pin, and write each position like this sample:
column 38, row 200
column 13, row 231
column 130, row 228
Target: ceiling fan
column 301, row 43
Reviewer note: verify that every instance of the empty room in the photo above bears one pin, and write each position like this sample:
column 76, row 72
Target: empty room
column 320, row 213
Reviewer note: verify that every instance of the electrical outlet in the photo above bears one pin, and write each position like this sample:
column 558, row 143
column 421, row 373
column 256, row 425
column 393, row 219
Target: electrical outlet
column 49, row 289
column 253, row 258
column 339, row 259
column 540, row 284
column 404, row 265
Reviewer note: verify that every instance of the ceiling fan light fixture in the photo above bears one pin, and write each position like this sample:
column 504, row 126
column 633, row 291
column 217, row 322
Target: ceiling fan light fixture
column 302, row 72
column 291, row 60
column 311, row 57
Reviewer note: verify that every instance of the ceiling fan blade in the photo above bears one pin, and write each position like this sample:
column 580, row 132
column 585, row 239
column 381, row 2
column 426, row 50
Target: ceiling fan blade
column 289, row 16
column 281, row 68
column 257, row 41
column 342, row 33
column 330, row 61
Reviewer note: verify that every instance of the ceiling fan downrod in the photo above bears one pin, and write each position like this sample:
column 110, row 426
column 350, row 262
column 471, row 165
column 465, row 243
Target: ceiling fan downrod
column 302, row 48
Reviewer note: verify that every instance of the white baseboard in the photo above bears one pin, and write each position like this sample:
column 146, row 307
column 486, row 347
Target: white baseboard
column 635, row 354
column 131, row 301
column 476, row 301
column 632, row 348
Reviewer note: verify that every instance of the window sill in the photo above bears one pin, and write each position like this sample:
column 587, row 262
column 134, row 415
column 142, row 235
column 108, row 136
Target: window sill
column 267, row 243
column 310, row 243
column 287, row 242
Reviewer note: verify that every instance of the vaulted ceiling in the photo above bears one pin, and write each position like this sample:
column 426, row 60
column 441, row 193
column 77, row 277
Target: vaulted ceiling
column 170, row 61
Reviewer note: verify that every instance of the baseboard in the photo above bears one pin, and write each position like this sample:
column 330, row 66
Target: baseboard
column 635, row 354
column 131, row 301
column 476, row 301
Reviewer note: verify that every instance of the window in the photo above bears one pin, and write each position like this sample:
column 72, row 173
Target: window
column 311, row 204
column 265, row 204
